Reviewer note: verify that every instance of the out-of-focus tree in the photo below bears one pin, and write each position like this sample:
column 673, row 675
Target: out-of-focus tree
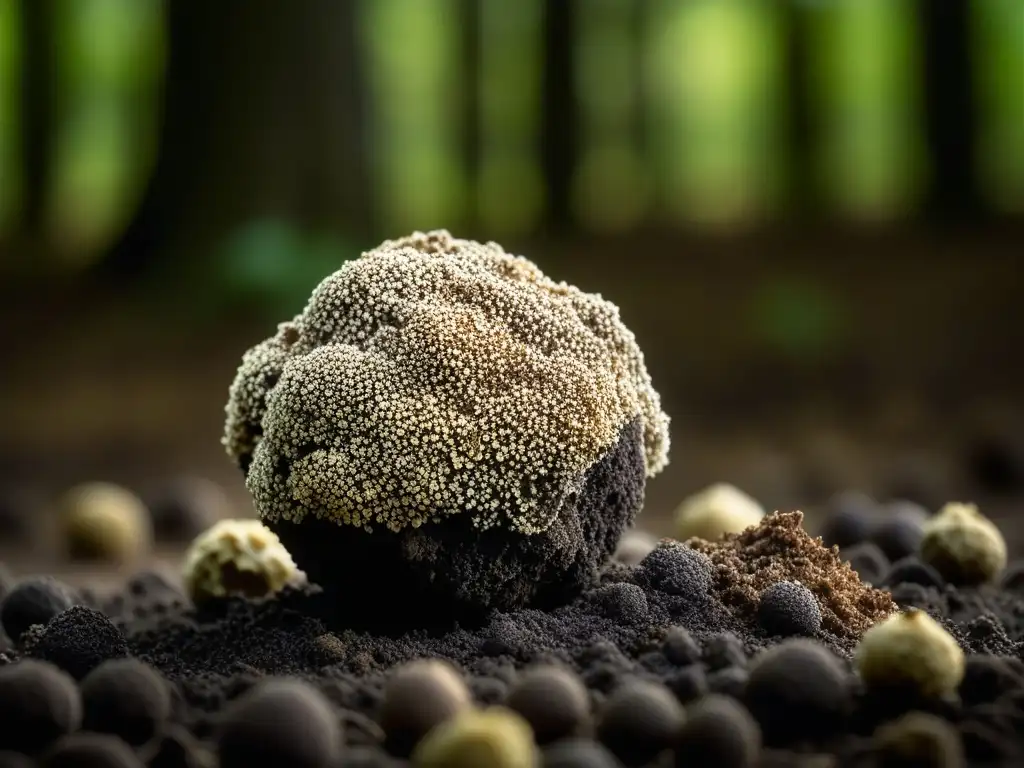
column 263, row 117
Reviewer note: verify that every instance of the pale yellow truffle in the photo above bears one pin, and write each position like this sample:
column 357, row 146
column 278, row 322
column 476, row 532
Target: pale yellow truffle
column 910, row 651
column 238, row 557
column 495, row 737
column 103, row 521
column 963, row 545
column 716, row 511
column 435, row 376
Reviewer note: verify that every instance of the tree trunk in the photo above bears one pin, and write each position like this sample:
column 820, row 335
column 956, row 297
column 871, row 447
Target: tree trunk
column 262, row 117
column 949, row 108
column 559, row 116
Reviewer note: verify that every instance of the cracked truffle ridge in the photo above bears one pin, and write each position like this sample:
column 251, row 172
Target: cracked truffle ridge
column 434, row 377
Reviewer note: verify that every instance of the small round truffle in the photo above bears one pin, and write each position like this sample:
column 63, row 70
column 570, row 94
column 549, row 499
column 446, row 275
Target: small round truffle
column 797, row 690
column 35, row 600
column 676, row 569
column 679, row 647
column 579, row 753
column 90, row 750
column 127, row 698
column 910, row 570
column 688, row 684
column 639, row 721
column 900, row 529
column 918, row 740
column 186, row 507
column 963, row 545
column 279, row 721
column 621, row 602
column 635, row 546
column 789, row 608
column 418, row 696
column 714, row 512
column 850, row 518
column 79, row 640
column 718, row 731
column 723, row 650
column 38, row 705
column 553, row 700
column 910, row 651
column 103, row 521
column 238, row 557
column 867, row 560
column 495, row 737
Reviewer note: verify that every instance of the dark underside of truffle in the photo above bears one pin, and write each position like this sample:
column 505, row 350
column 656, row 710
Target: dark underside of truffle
column 447, row 571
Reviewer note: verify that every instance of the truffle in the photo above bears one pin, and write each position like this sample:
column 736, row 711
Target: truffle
column 103, row 521
column 279, row 721
column 789, row 608
column 676, row 569
column 910, row 570
column 679, row 647
column 917, row 740
column 444, row 413
column 797, row 690
column 127, row 698
column 963, row 545
column 553, row 701
column 688, row 684
column 34, row 601
column 418, row 696
column 237, row 557
column 79, row 640
column 38, row 705
column 867, row 560
column 718, row 731
column 495, row 737
column 910, row 652
column 900, row 529
column 850, row 518
column 90, row 750
column 187, row 507
column 714, row 512
column 639, row 721
column 724, row 649
column 579, row 753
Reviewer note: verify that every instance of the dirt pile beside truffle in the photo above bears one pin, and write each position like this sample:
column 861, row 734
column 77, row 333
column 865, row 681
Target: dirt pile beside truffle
column 779, row 549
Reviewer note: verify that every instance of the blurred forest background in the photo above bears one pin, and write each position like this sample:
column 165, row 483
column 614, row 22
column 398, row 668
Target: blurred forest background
column 811, row 213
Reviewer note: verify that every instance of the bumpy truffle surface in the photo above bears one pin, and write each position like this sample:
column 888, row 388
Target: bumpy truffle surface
column 437, row 384
column 237, row 557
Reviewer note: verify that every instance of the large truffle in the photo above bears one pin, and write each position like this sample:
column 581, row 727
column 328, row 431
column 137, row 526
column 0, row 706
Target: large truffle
column 445, row 414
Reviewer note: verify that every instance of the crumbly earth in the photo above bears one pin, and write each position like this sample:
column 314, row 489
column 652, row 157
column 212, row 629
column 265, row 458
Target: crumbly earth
column 625, row 627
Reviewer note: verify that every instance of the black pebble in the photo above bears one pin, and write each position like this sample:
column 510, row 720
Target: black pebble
column 625, row 603
column 789, row 608
column 34, row 601
column 552, row 700
column 90, row 750
column 677, row 570
column 176, row 748
column 38, row 704
column 901, row 530
column 719, row 732
column 185, row 509
column 279, row 722
column 79, row 640
column 797, row 690
column 910, row 570
column 679, row 647
column 639, row 721
column 867, row 560
column 688, row 684
column 724, row 650
column 15, row 760
column 578, row 753
column 850, row 517
column 127, row 698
